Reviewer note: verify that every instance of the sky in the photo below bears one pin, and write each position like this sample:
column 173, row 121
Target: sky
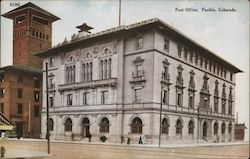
column 224, row 33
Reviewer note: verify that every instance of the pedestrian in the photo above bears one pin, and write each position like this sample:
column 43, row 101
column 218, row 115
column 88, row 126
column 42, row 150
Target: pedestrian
column 19, row 135
column 122, row 139
column 90, row 137
column 73, row 136
column 128, row 142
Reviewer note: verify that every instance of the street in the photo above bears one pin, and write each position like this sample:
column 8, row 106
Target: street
column 76, row 150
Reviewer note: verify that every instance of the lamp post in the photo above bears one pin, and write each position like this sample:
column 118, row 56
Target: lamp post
column 160, row 120
column 47, row 110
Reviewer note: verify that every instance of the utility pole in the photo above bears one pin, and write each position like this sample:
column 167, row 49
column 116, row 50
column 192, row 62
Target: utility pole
column 47, row 111
column 120, row 12
column 160, row 120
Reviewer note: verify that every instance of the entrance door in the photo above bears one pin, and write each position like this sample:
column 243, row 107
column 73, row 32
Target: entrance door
column 19, row 128
column 85, row 127
column 205, row 130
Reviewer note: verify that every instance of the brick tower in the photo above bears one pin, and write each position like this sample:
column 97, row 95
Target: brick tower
column 21, row 83
column 32, row 29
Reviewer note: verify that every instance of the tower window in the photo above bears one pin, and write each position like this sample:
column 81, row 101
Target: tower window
column 40, row 20
column 19, row 19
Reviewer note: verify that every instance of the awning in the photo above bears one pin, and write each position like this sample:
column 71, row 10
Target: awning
column 5, row 123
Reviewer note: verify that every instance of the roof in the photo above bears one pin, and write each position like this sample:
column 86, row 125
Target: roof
column 240, row 126
column 30, row 5
column 5, row 123
column 156, row 23
column 84, row 27
column 22, row 68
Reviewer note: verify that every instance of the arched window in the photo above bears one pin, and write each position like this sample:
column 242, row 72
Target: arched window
column 178, row 127
column 191, row 127
column 109, row 68
column 105, row 69
column 87, row 72
column 104, row 125
column 74, row 74
column 165, row 126
column 68, row 125
column 215, row 128
column 91, row 71
column 136, row 126
column 51, row 124
column 67, row 74
column 223, row 128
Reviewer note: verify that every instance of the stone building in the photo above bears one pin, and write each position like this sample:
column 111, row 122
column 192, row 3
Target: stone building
column 21, row 83
column 110, row 84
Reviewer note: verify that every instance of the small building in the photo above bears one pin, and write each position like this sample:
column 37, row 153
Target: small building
column 239, row 131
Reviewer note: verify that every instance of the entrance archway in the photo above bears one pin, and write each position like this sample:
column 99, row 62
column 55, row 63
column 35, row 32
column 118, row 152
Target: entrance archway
column 204, row 130
column 85, row 127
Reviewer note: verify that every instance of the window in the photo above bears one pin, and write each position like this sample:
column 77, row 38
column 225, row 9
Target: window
column 51, row 102
column 36, row 96
column 191, row 127
column 196, row 60
column 70, row 99
column 191, row 101
column 20, row 79
column 20, row 19
column 165, row 126
column 1, row 77
column 178, row 127
column 36, row 110
column 51, row 62
column 223, row 128
column 179, row 99
column 216, row 103
column 138, row 95
column 230, row 127
column 191, row 57
column 51, row 83
column 165, row 97
column 136, row 126
column 104, row 97
column 19, row 108
column 36, row 83
column 139, row 70
column 85, row 98
column 216, row 128
column 2, row 91
column 51, row 124
column 2, row 107
column 40, row 20
column 68, row 125
column 166, row 45
column 139, row 42
column 19, row 93
column 101, row 69
column 223, row 107
column 179, row 49
column 185, row 54
column 104, row 125
column 201, row 62
column 231, row 77
column 230, row 105
column 70, row 74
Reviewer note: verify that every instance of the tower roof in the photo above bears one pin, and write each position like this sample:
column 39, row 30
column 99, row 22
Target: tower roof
column 84, row 27
column 32, row 6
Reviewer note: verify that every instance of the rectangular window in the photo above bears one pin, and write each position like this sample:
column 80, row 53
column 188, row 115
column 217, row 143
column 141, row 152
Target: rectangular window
column 231, row 77
column 223, row 107
column 51, row 62
column 85, row 98
column 230, row 107
column 36, row 110
column 2, row 77
column 19, row 93
column 216, row 105
column 139, row 42
column 191, row 57
column 2, row 91
column 104, row 97
column 40, row 20
column 191, row 103
column 165, row 97
column 2, row 107
column 36, row 83
column 51, row 101
column 178, row 99
column 138, row 95
column 51, row 83
column 179, row 50
column 70, row 99
column 139, row 70
column 20, row 79
column 166, row 45
column 36, row 96
column 19, row 108
column 19, row 19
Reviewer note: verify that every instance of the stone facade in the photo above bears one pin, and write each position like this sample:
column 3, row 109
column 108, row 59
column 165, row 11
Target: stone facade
column 110, row 84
